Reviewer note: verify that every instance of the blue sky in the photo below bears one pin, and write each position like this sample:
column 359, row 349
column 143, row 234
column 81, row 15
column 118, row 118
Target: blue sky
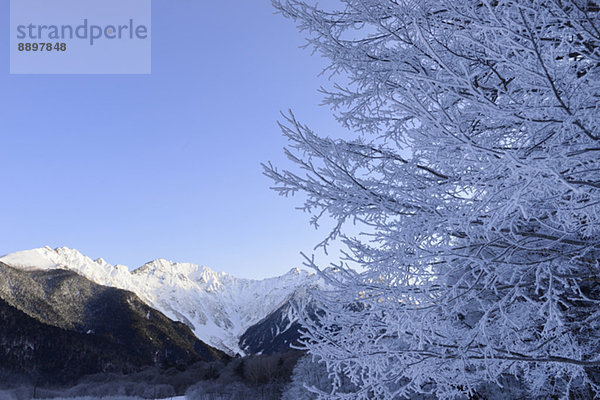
column 136, row 167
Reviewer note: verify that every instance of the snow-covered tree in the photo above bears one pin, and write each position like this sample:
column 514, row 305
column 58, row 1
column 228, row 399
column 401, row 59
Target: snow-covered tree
column 472, row 165
column 307, row 374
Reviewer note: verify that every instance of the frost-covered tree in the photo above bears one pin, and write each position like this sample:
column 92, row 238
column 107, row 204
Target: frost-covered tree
column 473, row 168
column 307, row 374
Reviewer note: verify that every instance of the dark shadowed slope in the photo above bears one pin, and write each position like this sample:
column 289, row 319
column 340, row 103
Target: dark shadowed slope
column 279, row 330
column 273, row 334
column 57, row 324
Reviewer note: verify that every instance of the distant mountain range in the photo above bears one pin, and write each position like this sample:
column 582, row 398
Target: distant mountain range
column 233, row 315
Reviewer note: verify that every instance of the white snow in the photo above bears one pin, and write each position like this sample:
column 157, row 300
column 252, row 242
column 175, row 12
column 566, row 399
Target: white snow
column 218, row 307
column 43, row 258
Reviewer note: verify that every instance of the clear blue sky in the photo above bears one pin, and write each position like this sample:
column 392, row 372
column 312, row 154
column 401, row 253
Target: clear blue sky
column 133, row 168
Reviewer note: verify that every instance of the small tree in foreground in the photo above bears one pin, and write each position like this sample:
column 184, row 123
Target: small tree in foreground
column 475, row 170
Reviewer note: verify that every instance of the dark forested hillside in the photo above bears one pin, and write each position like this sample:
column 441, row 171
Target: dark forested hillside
column 56, row 325
column 274, row 334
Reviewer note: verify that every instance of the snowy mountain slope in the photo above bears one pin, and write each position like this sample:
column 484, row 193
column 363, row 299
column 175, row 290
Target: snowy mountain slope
column 280, row 329
column 61, row 325
column 218, row 307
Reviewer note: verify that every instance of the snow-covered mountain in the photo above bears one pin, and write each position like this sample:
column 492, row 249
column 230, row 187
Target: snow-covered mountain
column 281, row 328
column 218, row 307
column 56, row 326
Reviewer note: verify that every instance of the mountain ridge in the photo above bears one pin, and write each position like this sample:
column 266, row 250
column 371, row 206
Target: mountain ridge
column 59, row 324
column 218, row 307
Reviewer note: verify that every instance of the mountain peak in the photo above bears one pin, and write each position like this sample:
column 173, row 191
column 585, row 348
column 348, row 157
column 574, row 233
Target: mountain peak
column 294, row 271
column 41, row 258
column 164, row 266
